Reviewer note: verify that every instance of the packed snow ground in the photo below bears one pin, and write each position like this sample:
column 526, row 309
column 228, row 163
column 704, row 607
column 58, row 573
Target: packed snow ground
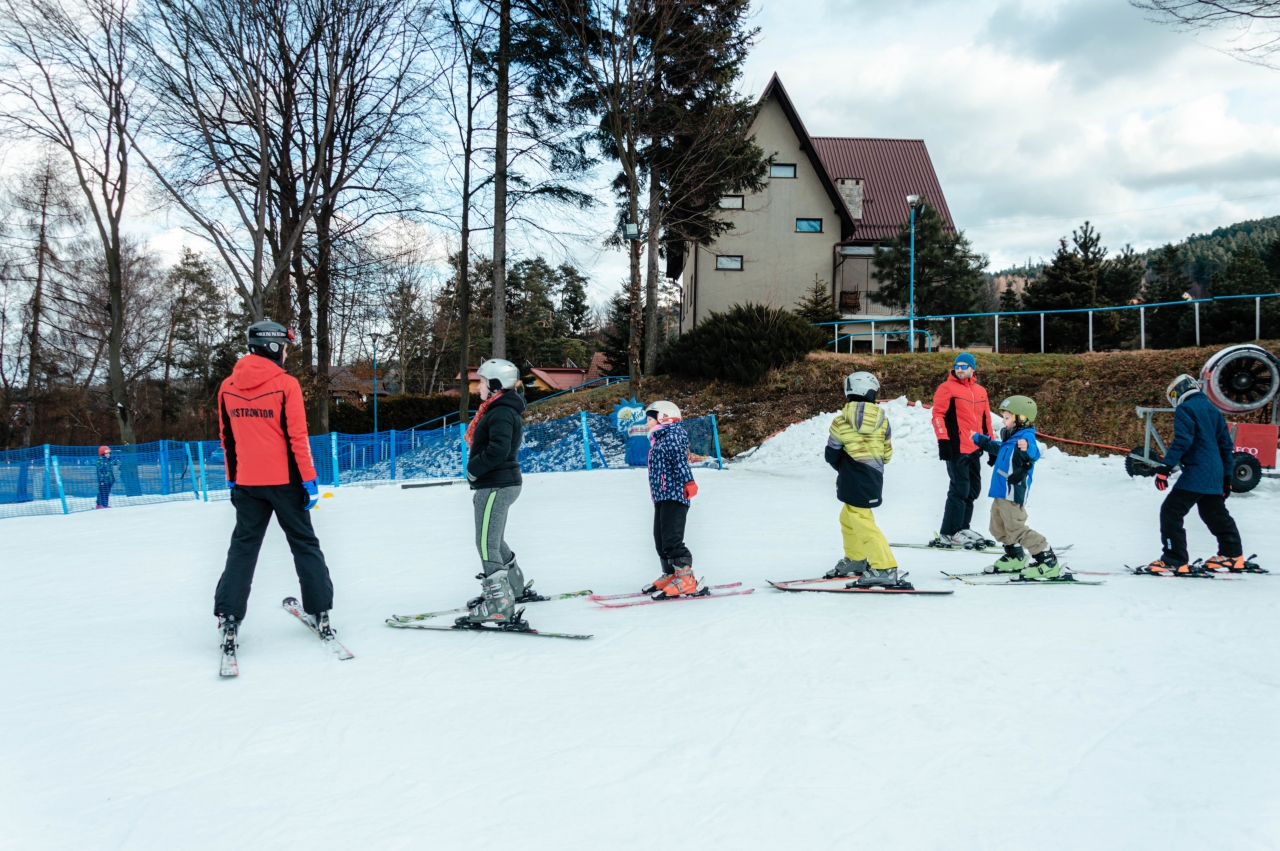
column 1138, row 714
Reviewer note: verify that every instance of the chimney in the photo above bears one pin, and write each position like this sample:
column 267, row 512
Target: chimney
column 851, row 191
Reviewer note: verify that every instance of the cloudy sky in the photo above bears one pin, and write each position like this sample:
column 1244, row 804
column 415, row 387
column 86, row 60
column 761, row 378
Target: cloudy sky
column 1039, row 114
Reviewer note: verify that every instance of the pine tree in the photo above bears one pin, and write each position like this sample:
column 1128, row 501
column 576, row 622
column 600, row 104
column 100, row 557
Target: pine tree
column 1171, row 326
column 574, row 306
column 1069, row 282
column 817, row 305
column 949, row 275
column 1233, row 320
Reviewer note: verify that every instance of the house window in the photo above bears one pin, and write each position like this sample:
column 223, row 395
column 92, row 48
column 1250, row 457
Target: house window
column 782, row 170
column 729, row 262
column 731, row 202
column 808, row 225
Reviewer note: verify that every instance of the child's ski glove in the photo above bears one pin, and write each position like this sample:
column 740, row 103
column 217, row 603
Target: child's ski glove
column 690, row 489
column 313, row 493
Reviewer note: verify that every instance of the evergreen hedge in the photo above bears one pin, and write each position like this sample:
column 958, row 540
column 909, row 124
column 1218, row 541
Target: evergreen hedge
column 742, row 344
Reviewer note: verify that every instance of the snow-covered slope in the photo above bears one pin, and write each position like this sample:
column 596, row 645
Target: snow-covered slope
column 1138, row 714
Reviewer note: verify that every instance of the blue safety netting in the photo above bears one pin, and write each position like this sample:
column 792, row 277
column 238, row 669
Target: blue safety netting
column 64, row 479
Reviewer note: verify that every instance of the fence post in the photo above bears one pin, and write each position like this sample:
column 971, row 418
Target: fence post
column 393, row 455
column 1197, row 307
column 333, row 449
column 586, row 438
column 997, row 333
column 873, row 338
column 164, row 469
column 1257, row 318
column 462, row 446
column 715, row 434
column 62, row 494
column 48, row 482
column 204, row 484
column 191, row 465
column 1090, row 330
column 953, row 333
column 1041, row 333
column 1142, row 327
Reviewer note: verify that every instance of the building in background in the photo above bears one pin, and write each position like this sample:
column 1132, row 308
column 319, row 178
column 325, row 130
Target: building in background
column 828, row 202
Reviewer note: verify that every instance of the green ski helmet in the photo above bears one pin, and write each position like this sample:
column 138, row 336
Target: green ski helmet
column 1020, row 406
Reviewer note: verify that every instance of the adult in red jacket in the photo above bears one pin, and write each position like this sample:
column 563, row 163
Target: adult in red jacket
column 960, row 408
column 263, row 426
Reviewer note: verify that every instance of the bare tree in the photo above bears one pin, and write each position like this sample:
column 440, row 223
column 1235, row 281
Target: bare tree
column 1256, row 22
column 226, row 83
column 72, row 74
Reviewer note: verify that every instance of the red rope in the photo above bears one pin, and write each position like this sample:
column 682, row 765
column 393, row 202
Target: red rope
column 1051, row 437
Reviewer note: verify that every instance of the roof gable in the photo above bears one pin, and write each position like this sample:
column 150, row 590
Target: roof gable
column 776, row 91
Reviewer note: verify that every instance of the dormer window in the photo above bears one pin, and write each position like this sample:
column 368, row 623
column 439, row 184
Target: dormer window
column 784, row 170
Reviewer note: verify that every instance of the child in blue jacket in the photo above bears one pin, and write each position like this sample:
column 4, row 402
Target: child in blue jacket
column 1016, row 453
column 671, row 486
column 1202, row 446
column 106, row 476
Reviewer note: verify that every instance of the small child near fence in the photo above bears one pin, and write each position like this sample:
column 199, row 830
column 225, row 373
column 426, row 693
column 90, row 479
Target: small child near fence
column 106, row 476
column 671, row 486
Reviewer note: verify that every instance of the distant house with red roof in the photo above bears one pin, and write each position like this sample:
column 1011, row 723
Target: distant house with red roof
column 557, row 377
column 829, row 200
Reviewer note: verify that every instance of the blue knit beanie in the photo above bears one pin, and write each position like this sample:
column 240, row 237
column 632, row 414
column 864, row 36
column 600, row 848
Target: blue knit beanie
column 966, row 359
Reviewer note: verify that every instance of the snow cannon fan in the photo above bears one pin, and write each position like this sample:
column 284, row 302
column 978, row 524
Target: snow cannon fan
column 1241, row 379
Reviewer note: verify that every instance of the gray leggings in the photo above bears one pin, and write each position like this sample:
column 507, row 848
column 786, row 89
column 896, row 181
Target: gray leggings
column 492, row 505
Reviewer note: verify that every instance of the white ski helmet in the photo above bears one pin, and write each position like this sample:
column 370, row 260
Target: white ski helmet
column 502, row 371
column 860, row 384
column 663, row 412
column 1180, row 388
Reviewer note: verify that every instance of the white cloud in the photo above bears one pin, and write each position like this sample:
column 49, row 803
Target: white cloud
column 1037, row 111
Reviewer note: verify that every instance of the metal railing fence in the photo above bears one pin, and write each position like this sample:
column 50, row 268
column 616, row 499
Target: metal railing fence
column 996, row 314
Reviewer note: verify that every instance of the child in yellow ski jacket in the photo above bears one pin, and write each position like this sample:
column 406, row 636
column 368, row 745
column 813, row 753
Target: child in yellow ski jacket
column 859, row 445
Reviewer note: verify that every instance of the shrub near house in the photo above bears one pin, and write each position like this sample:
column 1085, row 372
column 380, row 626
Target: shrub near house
column 741, row 345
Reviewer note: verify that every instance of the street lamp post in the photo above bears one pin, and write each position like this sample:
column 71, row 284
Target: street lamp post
column 375, row 382
column 913, row 201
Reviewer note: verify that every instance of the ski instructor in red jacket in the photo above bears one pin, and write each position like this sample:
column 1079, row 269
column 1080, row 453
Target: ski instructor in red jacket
column 960, row 408
column 263, row 426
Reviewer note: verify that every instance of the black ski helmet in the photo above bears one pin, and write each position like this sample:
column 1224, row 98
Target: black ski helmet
column 268, row 339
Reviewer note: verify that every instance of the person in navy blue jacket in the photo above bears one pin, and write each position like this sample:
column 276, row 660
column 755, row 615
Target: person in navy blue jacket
column 1202, row 446
column 671, row 487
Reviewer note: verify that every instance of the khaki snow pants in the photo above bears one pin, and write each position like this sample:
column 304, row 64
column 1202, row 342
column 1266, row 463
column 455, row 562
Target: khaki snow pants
column 1009, row 526
column 863, row 538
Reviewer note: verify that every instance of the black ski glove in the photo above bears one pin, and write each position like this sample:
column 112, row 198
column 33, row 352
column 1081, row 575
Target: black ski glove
column 1226, row 486
column 945, row 452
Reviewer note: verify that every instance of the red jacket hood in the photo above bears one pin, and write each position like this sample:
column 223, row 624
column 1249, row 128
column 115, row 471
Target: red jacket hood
column 254, row 371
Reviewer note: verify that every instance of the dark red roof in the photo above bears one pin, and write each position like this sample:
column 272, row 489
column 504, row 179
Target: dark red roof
column 891, row 169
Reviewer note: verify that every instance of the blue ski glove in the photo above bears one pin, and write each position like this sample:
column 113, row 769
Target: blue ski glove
column 231, row 486
column 313, row 492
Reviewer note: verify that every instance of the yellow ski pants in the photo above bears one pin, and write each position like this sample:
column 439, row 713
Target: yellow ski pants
column 863, row 538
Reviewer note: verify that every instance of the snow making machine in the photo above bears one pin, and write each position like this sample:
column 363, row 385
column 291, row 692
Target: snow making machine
column 1238, row 380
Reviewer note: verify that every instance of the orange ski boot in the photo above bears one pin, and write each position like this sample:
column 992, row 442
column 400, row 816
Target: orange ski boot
column 1233, row 564
column 1159, row 568
column 660, row 584
column 683, row 584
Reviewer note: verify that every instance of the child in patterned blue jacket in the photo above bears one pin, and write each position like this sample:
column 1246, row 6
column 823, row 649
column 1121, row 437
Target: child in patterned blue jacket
column 671, row 486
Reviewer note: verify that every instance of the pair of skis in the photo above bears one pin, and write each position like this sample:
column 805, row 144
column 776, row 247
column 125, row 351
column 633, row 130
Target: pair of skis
column 1071, row 580
column 231, row 666
column 818, row 585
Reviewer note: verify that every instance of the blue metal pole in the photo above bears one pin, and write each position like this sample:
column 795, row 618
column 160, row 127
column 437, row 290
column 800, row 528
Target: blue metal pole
column 191, row 466
column 715, row 433
column 462, row 443
column 393, row 455
column 586, row 438
column 204, row 483
column 62, row 494
column 48, row 486
column 333, row 446
column 911, row 306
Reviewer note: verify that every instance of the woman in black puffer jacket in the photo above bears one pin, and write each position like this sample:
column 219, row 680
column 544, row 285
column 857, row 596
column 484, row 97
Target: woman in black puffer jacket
column 493, row 470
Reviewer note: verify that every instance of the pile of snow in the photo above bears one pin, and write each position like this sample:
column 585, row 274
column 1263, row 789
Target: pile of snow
column 803, row 443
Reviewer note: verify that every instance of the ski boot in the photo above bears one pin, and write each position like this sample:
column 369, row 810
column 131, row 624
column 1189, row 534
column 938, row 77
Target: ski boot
column 496, row 606
column 523, row 590
column 323, row 629
column 971, row 540
column 1015, row 559
column 1236, row 564
column 1159, row 567
column 668, row 574
column 683, row 583
column 847, row 567
column 887, row 578
column 230, row 629
column 1045, row 568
